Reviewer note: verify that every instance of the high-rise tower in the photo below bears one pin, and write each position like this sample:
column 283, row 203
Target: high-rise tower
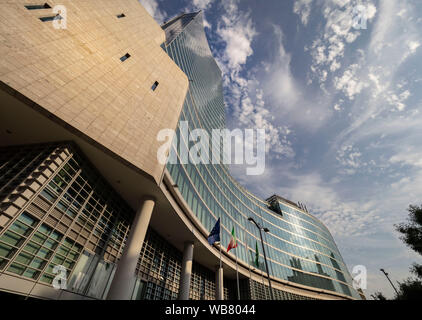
column 301, row 249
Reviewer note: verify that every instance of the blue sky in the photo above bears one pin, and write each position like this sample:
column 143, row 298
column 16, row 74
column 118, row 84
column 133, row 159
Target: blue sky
column 341, row 108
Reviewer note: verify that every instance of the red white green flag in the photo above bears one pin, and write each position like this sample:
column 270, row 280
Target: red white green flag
column 233, row 241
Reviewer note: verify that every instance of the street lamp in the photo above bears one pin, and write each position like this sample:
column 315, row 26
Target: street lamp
column 386, row 274
column 263, row 250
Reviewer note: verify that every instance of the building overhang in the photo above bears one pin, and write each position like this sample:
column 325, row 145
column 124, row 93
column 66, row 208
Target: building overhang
column 24, row 122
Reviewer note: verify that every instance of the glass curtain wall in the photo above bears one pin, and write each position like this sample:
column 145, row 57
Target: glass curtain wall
column 300, row 248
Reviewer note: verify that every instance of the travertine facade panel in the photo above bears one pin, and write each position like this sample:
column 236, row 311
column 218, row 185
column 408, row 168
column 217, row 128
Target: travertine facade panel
column 76, row 73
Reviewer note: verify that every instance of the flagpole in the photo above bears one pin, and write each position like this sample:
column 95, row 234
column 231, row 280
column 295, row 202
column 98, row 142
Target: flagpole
column 220, row 244
column 249, row 268
column 219, row 279
column 249, row 265
column 258, row 266
column 237, row 277
column 219, row 275
column 262, row 278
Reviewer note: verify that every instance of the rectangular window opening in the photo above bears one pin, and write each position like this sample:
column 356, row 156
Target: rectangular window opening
column 126, row 56
column 38, row 6
column 154, row 86
column 51, row 18
column 122, row 15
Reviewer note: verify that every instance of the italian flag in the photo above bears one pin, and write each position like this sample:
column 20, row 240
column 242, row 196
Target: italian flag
column 233, row 241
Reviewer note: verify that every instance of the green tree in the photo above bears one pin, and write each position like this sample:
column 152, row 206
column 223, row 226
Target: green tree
column 410, row 289
column 411, row 235
column 378, row 296
column 412, row 230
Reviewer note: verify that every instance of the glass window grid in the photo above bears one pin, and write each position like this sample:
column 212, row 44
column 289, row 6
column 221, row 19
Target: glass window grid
column 115, row 208
column 95, row 214
column 38, row 246
column 66, row 255
column 14, row 237
column 17, row 163
column 189, row 198
column 160, row 266
column 276, row 221
column 322, row 283
column 275, row 225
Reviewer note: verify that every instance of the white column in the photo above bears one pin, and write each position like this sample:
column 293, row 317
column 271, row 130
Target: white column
column 219, row 287
column 186, row 273
column 123, row 281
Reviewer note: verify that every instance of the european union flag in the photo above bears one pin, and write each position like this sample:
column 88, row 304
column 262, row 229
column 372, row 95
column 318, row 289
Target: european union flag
column 215, row 233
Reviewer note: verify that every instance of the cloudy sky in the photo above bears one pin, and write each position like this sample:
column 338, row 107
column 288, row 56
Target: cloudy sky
column 342, row 108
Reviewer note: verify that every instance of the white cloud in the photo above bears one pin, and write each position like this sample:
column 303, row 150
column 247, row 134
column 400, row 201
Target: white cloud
column 152, row 7
column 303, row 9
column 289, row 101
column 206, row 22
column 280, row 81
column 376, row 82
column 341, row 217
column 245, row 95
column 328, row 50
column 350, row 158
column 398, row 100
column 202, row 4
column 236, row 30
column 409, row 156
column 349, row 83
column 413, row 45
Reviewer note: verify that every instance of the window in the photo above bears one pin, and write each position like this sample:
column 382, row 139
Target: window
column 125, row 57
column 154, row 86
column 48, row 195
column 275, row 207
column 38, row 6
column 51, row 18
column 66, row 255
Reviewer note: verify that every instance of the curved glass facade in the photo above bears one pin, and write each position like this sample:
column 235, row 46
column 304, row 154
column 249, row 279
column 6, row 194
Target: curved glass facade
column 300, row 248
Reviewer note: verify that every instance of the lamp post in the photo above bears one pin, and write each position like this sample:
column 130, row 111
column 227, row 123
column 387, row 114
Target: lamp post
column 263, row 250
column 386, row 274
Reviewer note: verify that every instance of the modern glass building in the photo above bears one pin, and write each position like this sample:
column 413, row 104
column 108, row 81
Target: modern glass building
column 300, row 248
column 87, row 211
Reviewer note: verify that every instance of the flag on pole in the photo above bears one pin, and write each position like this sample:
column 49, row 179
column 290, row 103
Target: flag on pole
column 215, row 233
column 257, row 255
column 233, row 241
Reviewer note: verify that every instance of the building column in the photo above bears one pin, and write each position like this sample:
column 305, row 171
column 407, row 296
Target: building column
column 186, row 273
column 122, row 285
column 219, row 286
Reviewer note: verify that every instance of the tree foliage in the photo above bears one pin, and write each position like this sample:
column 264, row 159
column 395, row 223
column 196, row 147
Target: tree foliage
column 416, row 269
column 412, row 230
column 411, row 235
column 378, row 296
column 410, row 289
